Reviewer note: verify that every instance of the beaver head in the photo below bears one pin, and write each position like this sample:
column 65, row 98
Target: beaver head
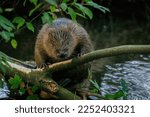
column 62, row 42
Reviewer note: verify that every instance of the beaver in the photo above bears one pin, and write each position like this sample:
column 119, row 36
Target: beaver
column 61, row 40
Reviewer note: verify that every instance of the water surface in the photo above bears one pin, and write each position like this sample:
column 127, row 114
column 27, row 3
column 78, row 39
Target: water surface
column 136, row 73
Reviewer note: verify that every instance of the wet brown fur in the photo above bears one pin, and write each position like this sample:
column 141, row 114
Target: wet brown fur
column 61, row 40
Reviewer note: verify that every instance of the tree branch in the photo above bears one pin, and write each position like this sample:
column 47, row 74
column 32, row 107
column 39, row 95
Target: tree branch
column 97, row 54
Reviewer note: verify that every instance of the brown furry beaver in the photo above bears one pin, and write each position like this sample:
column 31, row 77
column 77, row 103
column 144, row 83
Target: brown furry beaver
column 61, row 40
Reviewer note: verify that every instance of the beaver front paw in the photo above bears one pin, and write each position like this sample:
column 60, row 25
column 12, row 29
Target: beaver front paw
column 42, row 66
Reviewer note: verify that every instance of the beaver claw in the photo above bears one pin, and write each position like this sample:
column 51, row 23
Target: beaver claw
column 42, row 66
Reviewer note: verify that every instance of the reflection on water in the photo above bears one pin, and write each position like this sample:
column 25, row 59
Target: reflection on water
column 136, row 73
column 4, row 91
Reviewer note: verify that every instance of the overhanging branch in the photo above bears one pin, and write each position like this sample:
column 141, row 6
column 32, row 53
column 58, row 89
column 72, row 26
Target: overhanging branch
column 97, row 54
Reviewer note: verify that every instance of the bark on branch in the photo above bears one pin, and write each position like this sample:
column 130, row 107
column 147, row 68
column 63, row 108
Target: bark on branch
column 97, row 54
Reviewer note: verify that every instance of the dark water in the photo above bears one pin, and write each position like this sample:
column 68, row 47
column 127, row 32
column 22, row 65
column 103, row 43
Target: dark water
column 136, row 74
column 134, row 69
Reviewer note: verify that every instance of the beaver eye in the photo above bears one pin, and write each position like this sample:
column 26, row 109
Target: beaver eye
column 57, row 50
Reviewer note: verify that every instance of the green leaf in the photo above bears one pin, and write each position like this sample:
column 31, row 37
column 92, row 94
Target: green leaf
column 63, row 6
column 79, row 6
column 46, row 18
column 6, row 22
column 34, row 2
column 22, row 91
column 35, row 88
column 88, row 12
column 36, row 8
column 15, row 82
column 72, row 13
column 94, row 90
column 9, row 9
column 116, row 95
column 84, row 10
column 24, row 3
column 52, row 2
column 95, row 84
column 4, row 26
column 14, row 43
column 80, row 15
column 52, row 8
column 6, row 35
column 20, row 21
column 97, row 6
column 33, row 97
column 30, row 26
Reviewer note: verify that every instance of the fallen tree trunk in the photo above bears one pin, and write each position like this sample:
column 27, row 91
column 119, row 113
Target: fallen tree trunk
column 40, row 79
column 35, row 76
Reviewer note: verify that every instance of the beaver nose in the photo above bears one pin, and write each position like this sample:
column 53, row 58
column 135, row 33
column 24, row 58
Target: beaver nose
column 63, row 55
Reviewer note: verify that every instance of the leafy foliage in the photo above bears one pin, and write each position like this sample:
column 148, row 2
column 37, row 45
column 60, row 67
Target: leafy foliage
column 96, row 88
column 46, row 10
column 46, row 18
column 72, row 13
column 15, row 82
column 122, row 93
column 6, row 24
column 35, row 88
column 18, row 86
column 95, row 5
column 115, row 96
